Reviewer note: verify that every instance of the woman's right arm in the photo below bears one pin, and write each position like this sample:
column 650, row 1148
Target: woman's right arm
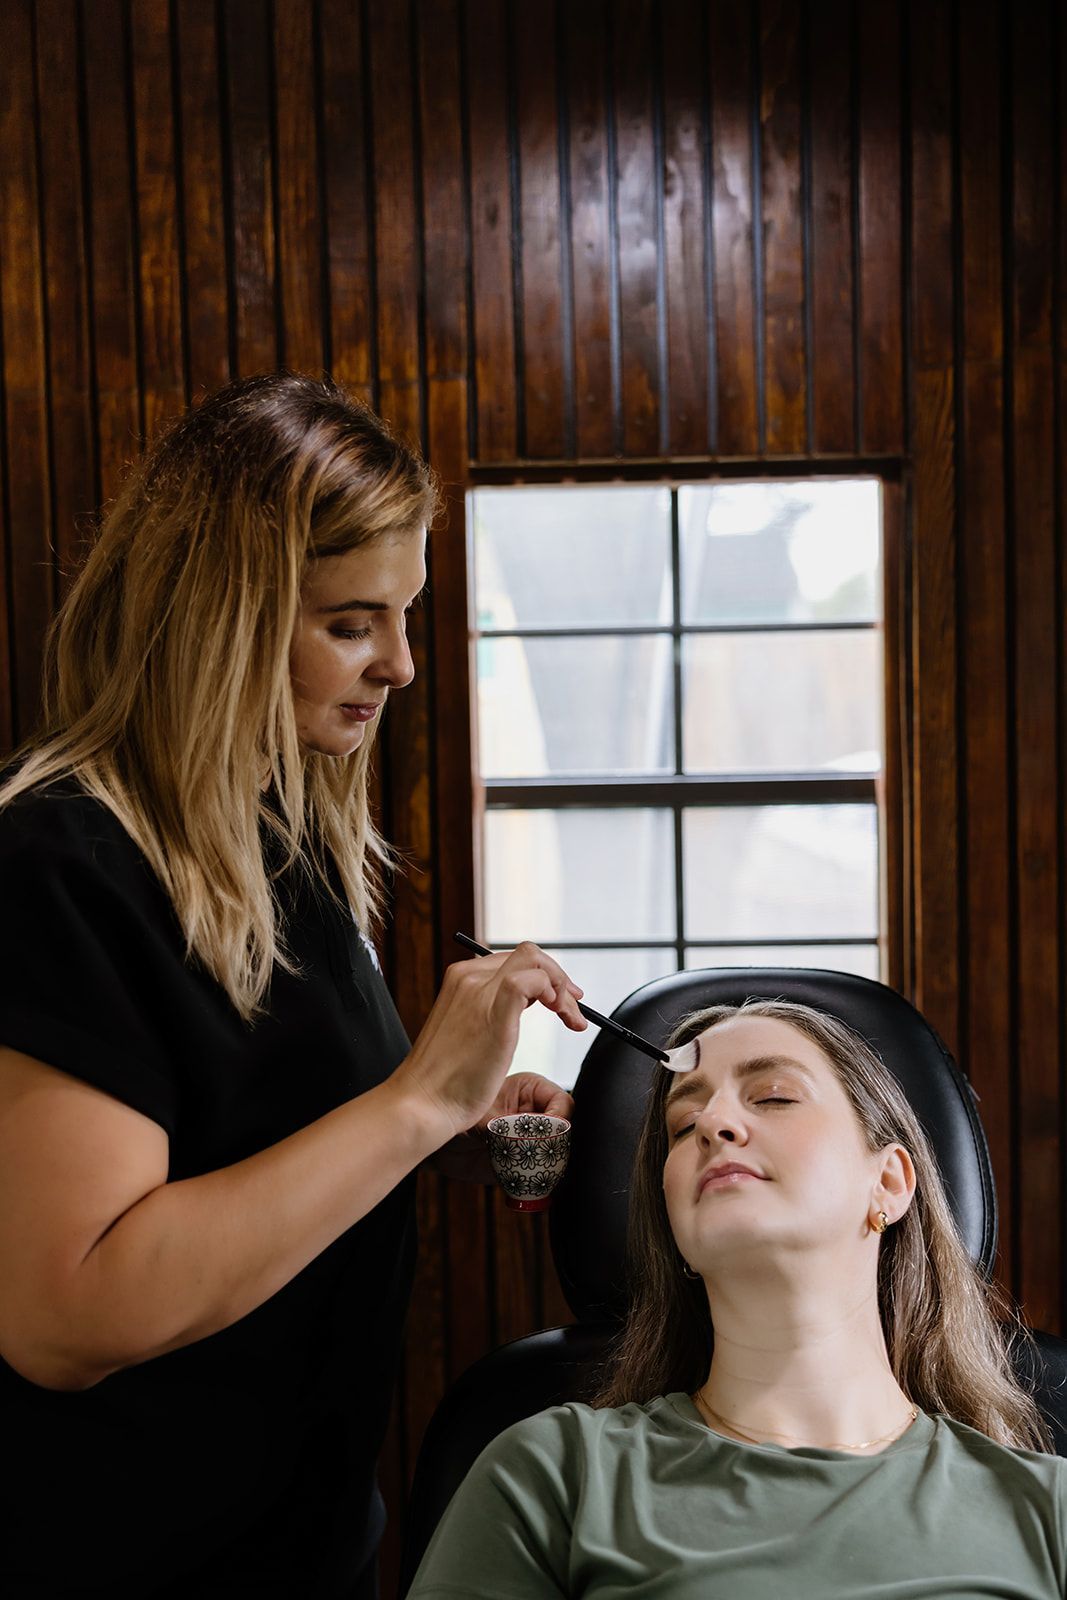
column 105, row 1264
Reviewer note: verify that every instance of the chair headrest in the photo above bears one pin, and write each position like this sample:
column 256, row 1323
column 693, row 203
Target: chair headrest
column 589, row 1211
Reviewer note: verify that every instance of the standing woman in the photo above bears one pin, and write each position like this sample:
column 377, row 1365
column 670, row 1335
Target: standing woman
column 210, row 1116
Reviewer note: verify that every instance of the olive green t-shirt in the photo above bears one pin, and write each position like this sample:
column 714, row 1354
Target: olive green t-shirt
column 645, row 1500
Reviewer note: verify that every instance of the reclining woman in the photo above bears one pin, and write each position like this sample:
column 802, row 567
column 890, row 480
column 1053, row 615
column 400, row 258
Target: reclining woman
column 812, row 1394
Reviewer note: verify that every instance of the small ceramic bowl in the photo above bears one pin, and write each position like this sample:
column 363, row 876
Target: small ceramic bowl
column 529, row 1155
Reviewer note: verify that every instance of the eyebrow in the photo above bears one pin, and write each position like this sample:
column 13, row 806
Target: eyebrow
column 365, row 605
column 693, row 1084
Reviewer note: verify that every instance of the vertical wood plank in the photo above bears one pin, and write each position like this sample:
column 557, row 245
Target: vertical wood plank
column 491, row 223
column 879, row 290
column 785, row 383
column 300, row 265
column 934, row 592
column 515, row 1271
column 637, row 181
column 114, row 270
column 66, row 286
column 986, row 1000
column 735, row 179
column 595, row 354
column 682, row 36
column 832, row 288
column 162, row 356
column 545, row 403
column 208, row 311
column 350, row 267
column 25, row 412
column 1039, row 1172
column 253, row 246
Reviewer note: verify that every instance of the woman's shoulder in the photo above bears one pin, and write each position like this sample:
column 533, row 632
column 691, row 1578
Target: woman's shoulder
column 1007, row 1462
column 571, row 1432
column 61, row 818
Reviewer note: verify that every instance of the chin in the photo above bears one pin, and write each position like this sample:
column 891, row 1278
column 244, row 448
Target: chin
column 337, row 747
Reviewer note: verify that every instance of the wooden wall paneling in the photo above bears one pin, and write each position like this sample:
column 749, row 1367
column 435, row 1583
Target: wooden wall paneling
column 547, row 410
column 515, row 1271
column 66, row 288
column 444, row 189
column 493, row 291
column 27, row 498
column 638, row 192
column 300, row 240
column 830, row 133
column 786, row 377
column 934, row 572
column 201, row 199
column 986, row 1038
column 596, row 356
column 1035, row 710
column 879, row 300
column 352, row 331
column 113, row 268
column 896, row 862
column 160, row 325
column 248, row 121
column 683, row 47
column 738, row 429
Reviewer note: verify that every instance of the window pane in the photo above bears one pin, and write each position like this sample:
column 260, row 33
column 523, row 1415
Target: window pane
column 782, row 702
column 578, row 873
column 607, row 976
column 562, row 557
column 752, row 872
column 781, row 552
column 863, row 959
column 550, row 706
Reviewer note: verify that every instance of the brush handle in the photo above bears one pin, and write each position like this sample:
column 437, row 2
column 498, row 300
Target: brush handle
column 608, row 1023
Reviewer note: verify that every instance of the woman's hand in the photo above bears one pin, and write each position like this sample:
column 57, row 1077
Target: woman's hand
column 458, row 1064
column 466, row 1157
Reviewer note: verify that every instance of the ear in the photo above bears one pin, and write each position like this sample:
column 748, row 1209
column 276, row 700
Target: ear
column 895, row 1182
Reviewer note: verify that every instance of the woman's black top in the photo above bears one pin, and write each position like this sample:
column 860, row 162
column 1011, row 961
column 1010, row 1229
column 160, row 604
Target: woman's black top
column 245, row 1460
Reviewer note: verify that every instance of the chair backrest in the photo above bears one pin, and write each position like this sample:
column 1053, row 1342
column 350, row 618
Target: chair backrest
column 588, row 1219
column 589, row 1210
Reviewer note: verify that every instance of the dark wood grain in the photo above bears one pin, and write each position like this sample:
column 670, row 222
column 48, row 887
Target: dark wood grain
column 545, row 402
column 253, row 246
column 785, row 383
column 595, row 347
column 986, row 1024
column 350, row 268
column 119, row 419
column 832, row 290
column 208, row 312
column 936, row 775
column 161, row 341
column 881, row 304
column 1035, row 710
column 636, row 183
column 66, row 288
column 300, row 264
column 31, row 595
column 685, row 206
column 491, row 260
column 734, row 192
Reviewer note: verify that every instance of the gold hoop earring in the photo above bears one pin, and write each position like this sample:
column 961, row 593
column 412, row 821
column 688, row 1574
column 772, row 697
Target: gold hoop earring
column 880, row 1223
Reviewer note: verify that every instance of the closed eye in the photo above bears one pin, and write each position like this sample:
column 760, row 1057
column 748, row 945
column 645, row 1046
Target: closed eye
column 775, row 1100
column 688, row 1128
column 351, row 633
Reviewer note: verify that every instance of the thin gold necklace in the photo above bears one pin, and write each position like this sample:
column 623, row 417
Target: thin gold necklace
column 867, row 1444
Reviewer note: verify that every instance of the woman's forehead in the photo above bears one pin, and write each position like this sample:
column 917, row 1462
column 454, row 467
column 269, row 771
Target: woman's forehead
column 741, row 1038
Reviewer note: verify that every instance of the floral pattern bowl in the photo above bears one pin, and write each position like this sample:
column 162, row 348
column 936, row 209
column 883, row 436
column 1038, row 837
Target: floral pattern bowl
column 529, row 1155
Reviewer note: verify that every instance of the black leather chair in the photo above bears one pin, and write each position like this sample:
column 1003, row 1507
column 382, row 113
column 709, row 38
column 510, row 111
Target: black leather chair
column 589, row 1211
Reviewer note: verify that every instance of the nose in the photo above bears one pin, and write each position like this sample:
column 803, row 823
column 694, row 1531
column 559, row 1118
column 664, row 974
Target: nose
column 721, row 1120
column 395, row 666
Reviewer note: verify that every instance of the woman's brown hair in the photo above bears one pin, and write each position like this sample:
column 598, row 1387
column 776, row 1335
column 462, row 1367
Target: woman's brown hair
column 168, row 694
column 944, row 1324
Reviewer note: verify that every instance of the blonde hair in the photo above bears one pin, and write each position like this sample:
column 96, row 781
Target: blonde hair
column 943, row 1323
column 168, row 695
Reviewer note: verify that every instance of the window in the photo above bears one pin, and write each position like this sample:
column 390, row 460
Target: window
column 679, row 697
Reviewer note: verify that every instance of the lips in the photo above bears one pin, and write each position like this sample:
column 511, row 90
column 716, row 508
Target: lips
column 725, row 1174
column 362, row 713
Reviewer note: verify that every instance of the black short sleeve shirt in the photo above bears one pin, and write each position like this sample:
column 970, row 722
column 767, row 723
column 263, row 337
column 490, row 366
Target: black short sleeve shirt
column 247, row 1457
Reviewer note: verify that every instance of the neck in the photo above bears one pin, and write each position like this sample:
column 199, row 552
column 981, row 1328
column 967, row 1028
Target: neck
column 803, row 1360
